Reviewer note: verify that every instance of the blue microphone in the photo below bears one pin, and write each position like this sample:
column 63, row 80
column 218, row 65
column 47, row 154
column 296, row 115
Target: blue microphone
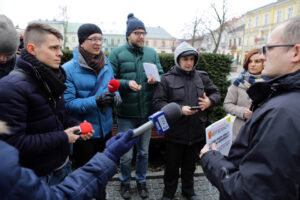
column 170, row 113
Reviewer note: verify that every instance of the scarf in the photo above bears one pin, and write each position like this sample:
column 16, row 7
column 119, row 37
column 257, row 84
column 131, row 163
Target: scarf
column 53, row 79
column 96, row 62
column 246, row 80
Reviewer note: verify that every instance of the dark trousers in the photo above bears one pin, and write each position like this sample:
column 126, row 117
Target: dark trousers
column 83, row 151
column 184, row 157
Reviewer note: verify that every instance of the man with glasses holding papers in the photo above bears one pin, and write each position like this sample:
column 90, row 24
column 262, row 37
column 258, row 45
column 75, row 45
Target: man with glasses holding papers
column 136, row 91
column 264, row 161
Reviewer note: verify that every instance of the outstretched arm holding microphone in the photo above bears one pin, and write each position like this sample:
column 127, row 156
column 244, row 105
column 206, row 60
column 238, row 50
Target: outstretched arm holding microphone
column 86, row 182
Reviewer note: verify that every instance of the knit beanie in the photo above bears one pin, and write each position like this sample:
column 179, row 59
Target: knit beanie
column 9, row 37
column 85, row 30
column 133, row 23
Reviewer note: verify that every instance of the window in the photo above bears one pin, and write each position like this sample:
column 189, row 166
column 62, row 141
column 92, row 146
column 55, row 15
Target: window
column 256, row 21
column 147, row 42
column 249, row 23
column 234, row 42
column 163, row 43
column 154, row 43
column 73, row 39
column 230, row 42
column 247, row 41
column 266, row 18
column 278, row 16
column 118, row 41
column 290, row 12
column 112, row 41
column 240, row 41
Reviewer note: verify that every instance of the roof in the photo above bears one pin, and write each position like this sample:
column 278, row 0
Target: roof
column 158, row 33
column 265, row 6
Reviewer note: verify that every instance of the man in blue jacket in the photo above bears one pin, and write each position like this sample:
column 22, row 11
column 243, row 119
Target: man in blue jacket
column 32, row 104
column 86, row 182
column 264, row 161
column 87, row 96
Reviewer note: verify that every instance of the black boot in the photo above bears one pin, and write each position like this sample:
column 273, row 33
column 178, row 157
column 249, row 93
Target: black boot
column 142, row 189
column 125, row 191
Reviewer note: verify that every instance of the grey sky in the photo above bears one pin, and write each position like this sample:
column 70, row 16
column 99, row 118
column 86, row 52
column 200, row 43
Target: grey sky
column 110, row 15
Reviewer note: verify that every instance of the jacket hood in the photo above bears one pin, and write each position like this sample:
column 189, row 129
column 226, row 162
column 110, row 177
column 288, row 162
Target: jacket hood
column 184, row 47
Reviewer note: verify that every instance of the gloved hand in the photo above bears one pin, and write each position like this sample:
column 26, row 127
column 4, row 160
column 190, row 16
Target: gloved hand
column 104, row 100
column 119, row 145
column 117, row 100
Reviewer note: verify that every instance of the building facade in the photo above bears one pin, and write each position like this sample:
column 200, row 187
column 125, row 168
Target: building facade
column 260, row 22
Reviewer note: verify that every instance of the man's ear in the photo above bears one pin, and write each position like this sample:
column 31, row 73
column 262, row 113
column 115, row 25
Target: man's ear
column 31, row 49
column 296, row 54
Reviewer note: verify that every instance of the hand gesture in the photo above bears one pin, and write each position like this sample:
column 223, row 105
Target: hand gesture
column 134, row 86
column 247, row 113
column 204, row 102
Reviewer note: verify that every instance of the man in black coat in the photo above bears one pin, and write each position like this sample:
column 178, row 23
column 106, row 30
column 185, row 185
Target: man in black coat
column 9, row 43
column 264, row 161
column 187, row 87
column 32, row 104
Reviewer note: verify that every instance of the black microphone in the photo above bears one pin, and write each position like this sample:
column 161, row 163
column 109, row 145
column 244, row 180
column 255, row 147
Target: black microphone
column 169, row 113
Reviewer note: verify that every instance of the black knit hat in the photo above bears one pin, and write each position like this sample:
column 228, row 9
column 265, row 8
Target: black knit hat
column 85, row 30
column 133, row 23
column 9, row 37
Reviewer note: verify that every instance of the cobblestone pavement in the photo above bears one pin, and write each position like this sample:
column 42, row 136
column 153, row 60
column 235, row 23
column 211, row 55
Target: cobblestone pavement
column 155, row 186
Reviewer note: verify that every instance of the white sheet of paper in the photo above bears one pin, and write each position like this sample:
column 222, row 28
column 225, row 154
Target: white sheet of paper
column 151, row 69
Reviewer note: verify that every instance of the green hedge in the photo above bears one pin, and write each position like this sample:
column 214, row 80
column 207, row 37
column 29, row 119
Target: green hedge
column 216, row 65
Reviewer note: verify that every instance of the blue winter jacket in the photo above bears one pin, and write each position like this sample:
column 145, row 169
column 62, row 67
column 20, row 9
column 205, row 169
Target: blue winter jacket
column 81, row 80
column 18, row 183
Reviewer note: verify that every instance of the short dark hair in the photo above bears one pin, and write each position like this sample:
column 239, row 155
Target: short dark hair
column 35, row 33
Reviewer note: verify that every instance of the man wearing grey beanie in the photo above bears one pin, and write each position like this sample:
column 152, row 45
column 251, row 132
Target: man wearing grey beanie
column 9, row 43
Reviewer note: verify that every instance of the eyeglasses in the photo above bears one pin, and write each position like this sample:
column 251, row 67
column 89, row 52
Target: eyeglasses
column 95, row 40
column 139, row 33
column 267, row 47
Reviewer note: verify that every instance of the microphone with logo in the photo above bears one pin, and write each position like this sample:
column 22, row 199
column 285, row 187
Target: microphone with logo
column 169, row 114
column 85, row 128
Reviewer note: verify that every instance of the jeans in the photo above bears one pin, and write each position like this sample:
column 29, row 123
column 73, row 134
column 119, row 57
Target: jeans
column 55, row 177
column 142, row 147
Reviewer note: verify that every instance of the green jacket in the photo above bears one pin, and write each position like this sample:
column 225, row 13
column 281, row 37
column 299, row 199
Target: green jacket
column 127, row 63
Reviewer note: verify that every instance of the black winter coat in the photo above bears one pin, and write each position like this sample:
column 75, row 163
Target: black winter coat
column 37, row 132
column 264, row 161
column 184, row 88
column 7, row 67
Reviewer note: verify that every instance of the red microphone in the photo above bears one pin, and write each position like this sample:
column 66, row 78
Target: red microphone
column 85, row 128
column 113, row 85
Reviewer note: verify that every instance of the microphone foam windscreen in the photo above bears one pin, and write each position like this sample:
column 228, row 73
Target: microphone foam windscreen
column 113, row 85
column 86, row 127
column 172, row 112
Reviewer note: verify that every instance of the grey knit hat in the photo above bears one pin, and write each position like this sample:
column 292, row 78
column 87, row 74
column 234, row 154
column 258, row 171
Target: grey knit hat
column 9, row 37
